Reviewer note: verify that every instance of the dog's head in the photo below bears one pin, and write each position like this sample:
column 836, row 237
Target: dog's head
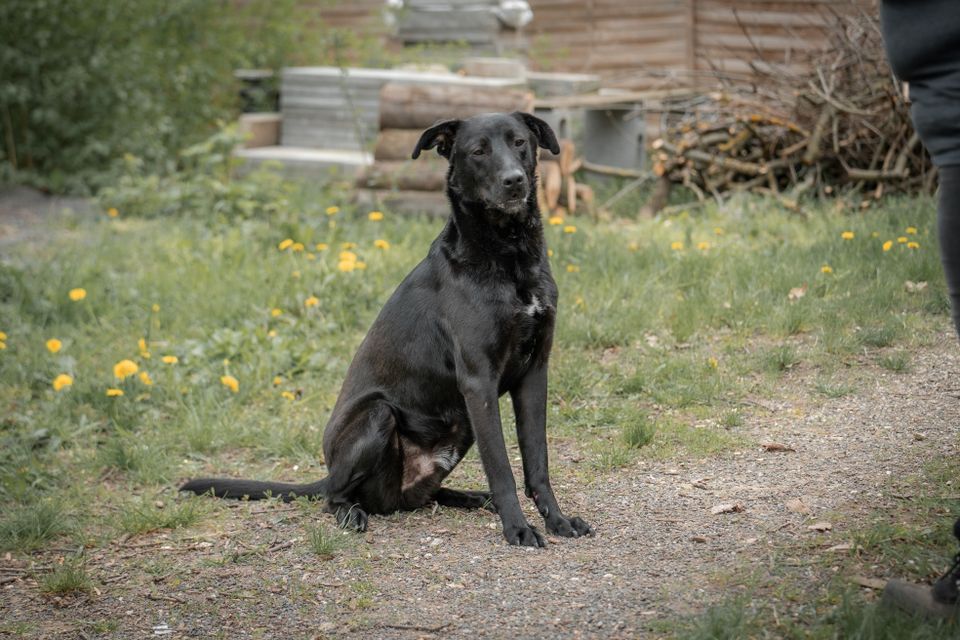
column 493, row 158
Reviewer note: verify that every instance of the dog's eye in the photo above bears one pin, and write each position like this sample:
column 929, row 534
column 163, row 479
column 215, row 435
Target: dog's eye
column 519, row 142
column 478, row 152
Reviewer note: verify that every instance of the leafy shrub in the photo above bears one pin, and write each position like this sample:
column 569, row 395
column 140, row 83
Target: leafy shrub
column 86, row 82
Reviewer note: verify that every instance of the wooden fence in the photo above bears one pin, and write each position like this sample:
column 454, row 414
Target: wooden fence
column 646, row 43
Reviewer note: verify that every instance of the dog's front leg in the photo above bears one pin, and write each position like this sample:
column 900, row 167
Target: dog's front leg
column 480, row 396
column 530, row 404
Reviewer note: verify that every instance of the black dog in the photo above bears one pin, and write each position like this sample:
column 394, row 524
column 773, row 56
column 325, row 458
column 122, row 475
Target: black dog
column 472, row 321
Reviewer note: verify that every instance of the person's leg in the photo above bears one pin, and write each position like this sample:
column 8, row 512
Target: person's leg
column 948, row 223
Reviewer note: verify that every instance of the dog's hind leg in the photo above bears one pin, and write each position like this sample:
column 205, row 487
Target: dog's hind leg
column 365, row 467
column 464, row 499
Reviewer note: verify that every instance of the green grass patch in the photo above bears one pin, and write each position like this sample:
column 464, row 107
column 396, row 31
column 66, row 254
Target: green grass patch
column 323, row 541
column 895, row 361
column 144, row 516
column 28, row 527
column 67, row 578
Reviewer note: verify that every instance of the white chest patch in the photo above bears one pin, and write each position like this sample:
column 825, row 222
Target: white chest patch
column 446, row 458
column 534, row 307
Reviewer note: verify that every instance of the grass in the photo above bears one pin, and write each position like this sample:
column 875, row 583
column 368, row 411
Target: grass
column 657, row 352
column 30, row 526
column 323, row 542
column 67, row 578
column 896, row 361
column 143, row 517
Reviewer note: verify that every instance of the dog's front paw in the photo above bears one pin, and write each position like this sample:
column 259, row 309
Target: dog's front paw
column 568, row 527
column 524, row 536
column 351, row 517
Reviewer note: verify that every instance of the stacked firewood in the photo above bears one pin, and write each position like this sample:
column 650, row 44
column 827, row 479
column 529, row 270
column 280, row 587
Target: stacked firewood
column 843, row 126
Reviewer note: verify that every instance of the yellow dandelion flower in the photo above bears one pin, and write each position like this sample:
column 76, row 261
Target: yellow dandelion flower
column 145, row 378
column 272, row 333
column 230, row 383
column 847, row 235
column 572, row 268
column 124, row 369
column 332, row 211
column 295, row 275
column 375, row 216
column 297, row 246
column 633, row 245
column 913, row 245
column 276, row 313
column 346, row 265
column 703, row 246
column 676, row 246
column 3, row 345
column 555, row 221
column 911, row 231
column 718, row 231
column 360, row 264
column 78, row 294
column 579, row 302
column 312, row 301
column 826, row 269
column 142, row 344
column 170, row 359
column 62, row 381
column 54, row 345
column 349, row 256
column 277, row 381
column 114, row 393
column 155, row 308
column 888, row 245
column 902, row 240
column 713, row 362
column 346, row 246
column 285, row 244
column 3, row 335
column 549, row 253
column 321, row 246
column 569, row 229
column 287, row 395
column 112, row 212
column 381, row 244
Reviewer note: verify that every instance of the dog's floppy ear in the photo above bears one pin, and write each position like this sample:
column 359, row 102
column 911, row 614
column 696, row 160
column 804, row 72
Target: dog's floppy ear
column 546, row 138
column 440, row 136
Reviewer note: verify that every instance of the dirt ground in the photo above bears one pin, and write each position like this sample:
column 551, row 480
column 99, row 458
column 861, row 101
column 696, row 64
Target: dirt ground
column 660, row 550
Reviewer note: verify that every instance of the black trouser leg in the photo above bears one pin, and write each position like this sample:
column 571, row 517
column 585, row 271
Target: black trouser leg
column 948, row 223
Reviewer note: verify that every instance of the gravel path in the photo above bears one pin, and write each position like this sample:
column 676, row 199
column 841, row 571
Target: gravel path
column 660, row 551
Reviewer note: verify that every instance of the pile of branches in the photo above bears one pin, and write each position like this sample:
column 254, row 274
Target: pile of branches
column 843, row 125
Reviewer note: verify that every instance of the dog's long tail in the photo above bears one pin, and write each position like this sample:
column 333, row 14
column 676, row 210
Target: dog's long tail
column 255, row 489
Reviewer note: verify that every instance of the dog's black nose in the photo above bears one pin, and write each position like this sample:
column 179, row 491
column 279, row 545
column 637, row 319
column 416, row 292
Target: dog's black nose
column 513, row 178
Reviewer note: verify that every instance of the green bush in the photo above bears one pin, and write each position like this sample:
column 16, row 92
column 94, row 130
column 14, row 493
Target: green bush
column 84, row 83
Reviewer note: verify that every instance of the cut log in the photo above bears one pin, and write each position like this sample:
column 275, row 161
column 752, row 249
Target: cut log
column 420, row 175
column 658, row 199
column 396, row 144
column 552, row 183
column 586, row 196
column 571, row 194
column 413, row 106
column 567, row 153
